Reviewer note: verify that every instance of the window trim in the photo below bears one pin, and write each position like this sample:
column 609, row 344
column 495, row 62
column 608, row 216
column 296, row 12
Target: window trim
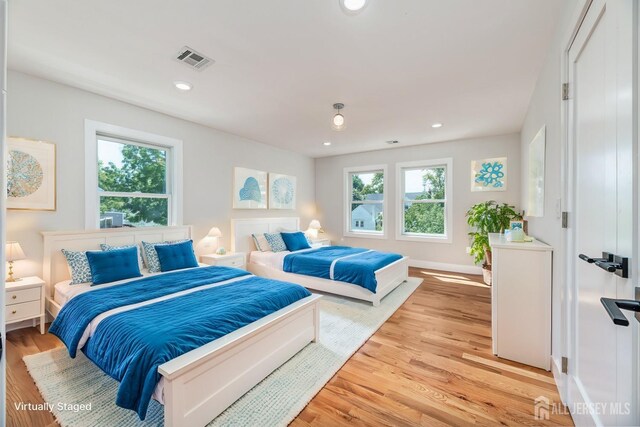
column 347, row 232
column 448, row 201
column 94, row 129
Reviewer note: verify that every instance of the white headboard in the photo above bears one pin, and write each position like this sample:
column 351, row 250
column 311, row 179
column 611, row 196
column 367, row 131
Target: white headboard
column 242, row 229
column 55, row 267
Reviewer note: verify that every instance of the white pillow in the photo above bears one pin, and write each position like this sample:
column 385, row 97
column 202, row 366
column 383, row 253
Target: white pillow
column 261, row 243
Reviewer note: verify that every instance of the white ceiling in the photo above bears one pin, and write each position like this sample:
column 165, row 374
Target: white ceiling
column 398, row 66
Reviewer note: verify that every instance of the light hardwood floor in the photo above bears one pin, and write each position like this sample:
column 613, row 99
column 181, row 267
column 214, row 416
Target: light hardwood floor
column 429, row 364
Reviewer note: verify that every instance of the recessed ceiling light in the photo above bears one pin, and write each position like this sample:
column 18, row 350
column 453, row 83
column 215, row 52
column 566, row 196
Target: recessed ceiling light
column 436, row 125
column 353, row 5
column 326, row 144
column 183, row 85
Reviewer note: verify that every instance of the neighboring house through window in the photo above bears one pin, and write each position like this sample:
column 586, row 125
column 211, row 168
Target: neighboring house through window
column 365, row 201
column 133, row 178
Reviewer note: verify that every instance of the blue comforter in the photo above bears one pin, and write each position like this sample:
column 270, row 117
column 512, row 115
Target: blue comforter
column 352, row 265
column 131, row 345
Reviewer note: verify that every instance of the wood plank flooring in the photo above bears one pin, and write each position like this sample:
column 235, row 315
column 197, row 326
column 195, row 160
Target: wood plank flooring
column 429, row 364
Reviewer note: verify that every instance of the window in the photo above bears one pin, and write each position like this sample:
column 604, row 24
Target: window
column 425, row 197
column 132, row 178
column 364, row 190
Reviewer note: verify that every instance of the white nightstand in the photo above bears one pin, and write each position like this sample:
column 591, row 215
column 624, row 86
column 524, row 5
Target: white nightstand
column 230, row 259
column 24, row 300
column 316, row 243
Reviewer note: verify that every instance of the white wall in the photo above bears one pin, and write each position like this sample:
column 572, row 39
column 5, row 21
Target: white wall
column 544, row 109
column 330, row 199
column 41, row 109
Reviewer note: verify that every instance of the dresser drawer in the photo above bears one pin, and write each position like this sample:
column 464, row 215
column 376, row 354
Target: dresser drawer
column 22, row 295
column 232, row 262
column 24, row 310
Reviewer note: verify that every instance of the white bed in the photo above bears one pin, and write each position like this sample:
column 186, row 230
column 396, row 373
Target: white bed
column 269, row 264
column 197, row 386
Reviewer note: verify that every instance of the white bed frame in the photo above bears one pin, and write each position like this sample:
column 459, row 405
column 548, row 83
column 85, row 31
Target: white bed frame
column 202, row 383
column 388, row 278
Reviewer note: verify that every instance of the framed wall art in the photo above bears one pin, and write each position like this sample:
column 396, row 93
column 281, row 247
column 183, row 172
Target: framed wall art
column 489, row 174
column 31, row 174
column 535, row 202
column 249, row 189
column 282, row 191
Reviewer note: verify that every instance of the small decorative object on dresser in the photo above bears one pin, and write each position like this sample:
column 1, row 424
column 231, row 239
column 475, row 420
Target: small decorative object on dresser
column 24, row 300
column 31, row 175
column 231, row 259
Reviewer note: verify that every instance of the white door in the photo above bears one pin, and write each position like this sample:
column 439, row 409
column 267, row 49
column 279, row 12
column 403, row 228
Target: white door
column 602, row 356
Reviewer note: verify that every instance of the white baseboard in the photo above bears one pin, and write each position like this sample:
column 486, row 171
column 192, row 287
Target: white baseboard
column 455, row 268
column 559, row 378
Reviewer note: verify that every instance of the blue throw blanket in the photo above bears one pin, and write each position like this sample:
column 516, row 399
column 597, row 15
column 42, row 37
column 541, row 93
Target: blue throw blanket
column 131, row 345
column 351, row 265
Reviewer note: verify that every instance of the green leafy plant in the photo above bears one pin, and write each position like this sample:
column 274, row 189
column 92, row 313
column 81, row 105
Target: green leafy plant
column 484, row 218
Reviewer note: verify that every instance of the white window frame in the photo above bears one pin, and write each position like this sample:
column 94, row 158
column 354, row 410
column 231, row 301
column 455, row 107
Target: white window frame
column 93, row 130
column 448, row 201
column 347, row 202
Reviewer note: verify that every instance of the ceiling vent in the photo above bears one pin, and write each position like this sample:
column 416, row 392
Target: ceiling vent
column 193, row 59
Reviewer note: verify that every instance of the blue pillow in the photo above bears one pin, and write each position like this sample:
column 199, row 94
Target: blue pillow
column 177, row 256
column 276, row 242
column 295, row 241
column 114, row 265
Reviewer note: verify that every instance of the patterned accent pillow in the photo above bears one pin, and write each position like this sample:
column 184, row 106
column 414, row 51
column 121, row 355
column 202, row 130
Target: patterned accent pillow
column 275, row 241
column 261, row 243
column 152, row 261
column 78, row 266
column 106, row 247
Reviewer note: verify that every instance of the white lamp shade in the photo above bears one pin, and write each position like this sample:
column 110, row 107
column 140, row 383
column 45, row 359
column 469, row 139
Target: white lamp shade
column 215, row 232
column 315, row 225
column 14, row 252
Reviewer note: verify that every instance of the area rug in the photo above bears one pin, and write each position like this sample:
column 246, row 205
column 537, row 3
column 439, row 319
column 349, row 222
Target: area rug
column 344, row 326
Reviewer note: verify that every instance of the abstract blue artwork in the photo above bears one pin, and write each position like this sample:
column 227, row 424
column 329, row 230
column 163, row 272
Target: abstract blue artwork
column 282, row 191
column 489, row 174
column 250, row 189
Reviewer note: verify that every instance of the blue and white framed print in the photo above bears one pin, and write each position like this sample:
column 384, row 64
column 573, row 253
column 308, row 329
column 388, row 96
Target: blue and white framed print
column 31, row 174
column 489, row 174
column 282, row 191
column 249, row 189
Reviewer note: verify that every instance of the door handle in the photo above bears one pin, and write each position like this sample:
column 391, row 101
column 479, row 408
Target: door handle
column 610, row 262
column 614, row 306
column 606, row 257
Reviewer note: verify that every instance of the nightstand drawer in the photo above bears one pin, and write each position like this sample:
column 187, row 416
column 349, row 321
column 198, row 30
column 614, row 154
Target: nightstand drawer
column 24, row 310
column 22, row 295
column 232, row 262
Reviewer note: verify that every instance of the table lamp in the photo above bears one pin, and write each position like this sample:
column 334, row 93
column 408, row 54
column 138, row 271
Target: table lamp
column 314, row 227
column 215, row 233
column 13, row 252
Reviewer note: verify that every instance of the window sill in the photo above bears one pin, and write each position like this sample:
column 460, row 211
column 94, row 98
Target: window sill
column 365, row 235
column 424, row 239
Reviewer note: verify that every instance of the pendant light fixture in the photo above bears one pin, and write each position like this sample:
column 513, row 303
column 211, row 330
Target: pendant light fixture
column 338, row 122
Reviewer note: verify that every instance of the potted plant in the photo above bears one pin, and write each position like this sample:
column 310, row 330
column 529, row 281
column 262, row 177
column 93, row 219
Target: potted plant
column 484, row 218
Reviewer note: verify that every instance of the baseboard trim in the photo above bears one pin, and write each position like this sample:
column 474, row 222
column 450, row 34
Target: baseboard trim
column 455, row 268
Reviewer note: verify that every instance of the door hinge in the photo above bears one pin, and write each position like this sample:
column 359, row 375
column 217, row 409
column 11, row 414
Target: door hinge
column 565, row 365
column 565, row 91
column 565, row 219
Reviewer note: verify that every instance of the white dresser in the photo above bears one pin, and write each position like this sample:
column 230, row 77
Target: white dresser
column 521, row 301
